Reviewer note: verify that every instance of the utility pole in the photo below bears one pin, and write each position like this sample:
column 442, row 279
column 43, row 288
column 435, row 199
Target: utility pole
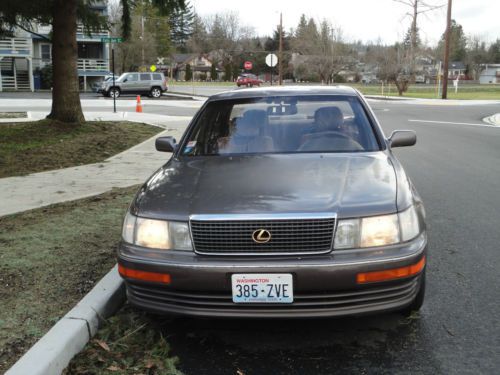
column 280, row 53
column 142, row 37
column 446, row 52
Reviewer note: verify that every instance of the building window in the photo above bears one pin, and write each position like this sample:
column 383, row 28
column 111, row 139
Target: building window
column 45, row 52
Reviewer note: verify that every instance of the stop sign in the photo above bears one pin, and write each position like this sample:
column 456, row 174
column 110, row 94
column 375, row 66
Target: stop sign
column 248, row 65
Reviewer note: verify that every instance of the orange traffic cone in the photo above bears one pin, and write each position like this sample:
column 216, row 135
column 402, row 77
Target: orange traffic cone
column 138, row 106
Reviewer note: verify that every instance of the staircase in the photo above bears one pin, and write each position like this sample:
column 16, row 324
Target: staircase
column 14, row 78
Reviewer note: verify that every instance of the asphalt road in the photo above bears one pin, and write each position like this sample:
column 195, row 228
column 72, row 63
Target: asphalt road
column 456, row 168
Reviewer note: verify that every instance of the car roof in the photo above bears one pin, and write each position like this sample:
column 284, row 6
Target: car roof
column 285, row 91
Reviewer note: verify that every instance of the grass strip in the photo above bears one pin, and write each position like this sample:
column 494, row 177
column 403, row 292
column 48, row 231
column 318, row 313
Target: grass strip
column 31, row 147
column 49, row 259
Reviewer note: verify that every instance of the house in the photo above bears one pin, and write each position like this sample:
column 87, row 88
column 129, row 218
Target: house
column 23, row 56
column 490, row 74
column 457, row 69
column 200, row 64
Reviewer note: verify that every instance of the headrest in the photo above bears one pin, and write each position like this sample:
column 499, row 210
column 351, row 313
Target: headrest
column 330, row 117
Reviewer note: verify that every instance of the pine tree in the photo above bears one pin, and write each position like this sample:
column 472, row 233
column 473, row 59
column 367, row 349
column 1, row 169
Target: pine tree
column 189, row 73
column 213, row 72
column 181, row 26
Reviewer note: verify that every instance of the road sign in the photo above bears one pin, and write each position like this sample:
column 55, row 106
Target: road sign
column 152, row 68
column 248, row 65
column 111, row 40
column 271, row 60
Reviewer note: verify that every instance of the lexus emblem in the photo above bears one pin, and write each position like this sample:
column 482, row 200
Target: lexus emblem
column 261, row 236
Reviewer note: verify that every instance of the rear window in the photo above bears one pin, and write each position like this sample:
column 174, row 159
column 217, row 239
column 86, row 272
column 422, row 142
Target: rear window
column 281, row 125
column 157, row 77
column 145, row 77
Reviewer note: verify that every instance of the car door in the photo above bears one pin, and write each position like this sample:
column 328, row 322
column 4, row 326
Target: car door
column 145, row 82
column 130, row 83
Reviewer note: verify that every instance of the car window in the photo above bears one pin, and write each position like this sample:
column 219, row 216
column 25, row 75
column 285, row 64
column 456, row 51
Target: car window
column 145, row 77
column 157, row 77
column 281, row 125
column 131, row 77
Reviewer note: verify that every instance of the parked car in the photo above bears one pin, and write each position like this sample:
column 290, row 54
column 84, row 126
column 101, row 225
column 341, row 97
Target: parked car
column 248, row 80
column 152, row 84
column 278, row 202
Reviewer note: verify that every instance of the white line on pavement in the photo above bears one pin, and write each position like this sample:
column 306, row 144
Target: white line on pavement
column 453, row 123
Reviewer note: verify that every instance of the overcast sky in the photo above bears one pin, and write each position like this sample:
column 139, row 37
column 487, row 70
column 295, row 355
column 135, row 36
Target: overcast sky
column 365, row 20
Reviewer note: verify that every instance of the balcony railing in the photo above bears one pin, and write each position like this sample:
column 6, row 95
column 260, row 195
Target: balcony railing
column 94, row 34
column 93, row 65
column 15, row 47
column 84, row 65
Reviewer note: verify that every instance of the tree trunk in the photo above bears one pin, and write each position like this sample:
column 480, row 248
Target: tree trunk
column 66, row 106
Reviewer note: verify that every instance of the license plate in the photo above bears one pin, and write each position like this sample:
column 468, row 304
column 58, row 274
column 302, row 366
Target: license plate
column 262, row 288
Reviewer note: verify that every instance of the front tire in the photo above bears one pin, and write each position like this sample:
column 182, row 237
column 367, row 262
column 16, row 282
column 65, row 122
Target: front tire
column 155, row 92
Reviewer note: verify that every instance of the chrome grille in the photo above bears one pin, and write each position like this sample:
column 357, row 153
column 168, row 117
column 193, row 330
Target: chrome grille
column 296, row 236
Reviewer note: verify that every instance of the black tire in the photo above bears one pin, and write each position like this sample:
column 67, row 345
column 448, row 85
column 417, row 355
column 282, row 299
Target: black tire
column 417, row 303
column 155, row 92
column 114, row 92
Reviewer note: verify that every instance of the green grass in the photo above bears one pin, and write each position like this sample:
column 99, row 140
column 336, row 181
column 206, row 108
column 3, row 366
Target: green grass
column 31, row 147
column 465, row 91
column 51, row 257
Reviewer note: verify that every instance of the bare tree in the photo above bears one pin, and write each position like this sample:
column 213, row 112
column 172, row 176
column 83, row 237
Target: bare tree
column 417, row 7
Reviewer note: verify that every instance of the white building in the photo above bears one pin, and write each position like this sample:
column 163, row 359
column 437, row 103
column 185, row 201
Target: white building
column 490, row 74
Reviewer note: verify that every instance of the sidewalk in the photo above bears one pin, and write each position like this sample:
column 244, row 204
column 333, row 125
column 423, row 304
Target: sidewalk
column 130, row 167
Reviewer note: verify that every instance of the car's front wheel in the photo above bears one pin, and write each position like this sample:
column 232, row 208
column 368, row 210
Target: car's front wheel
column 114, row 92
column 155, row 92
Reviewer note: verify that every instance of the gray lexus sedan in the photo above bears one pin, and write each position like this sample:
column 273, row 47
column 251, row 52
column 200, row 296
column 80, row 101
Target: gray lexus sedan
column 278, row 202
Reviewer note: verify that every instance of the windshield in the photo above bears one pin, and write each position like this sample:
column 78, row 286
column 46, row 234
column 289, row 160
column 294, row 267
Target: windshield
column 121, row 77
column 281, row 125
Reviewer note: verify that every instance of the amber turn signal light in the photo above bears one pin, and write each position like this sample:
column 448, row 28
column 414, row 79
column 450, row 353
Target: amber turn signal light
column 392, row 274
column 143, row 275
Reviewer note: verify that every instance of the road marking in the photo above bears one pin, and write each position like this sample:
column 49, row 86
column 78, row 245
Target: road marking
column 453, row 123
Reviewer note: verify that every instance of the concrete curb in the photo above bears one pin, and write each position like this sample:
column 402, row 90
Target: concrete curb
column 52, row 353
column 493, row 119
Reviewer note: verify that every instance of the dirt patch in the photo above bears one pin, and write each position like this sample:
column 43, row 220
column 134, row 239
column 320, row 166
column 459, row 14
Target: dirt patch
column 51, row 257
column 44, row 145
column 130, row 342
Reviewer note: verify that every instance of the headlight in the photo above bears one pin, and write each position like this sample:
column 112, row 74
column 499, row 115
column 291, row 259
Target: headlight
column 377, row 230
column 410, row 227
column 156, row 234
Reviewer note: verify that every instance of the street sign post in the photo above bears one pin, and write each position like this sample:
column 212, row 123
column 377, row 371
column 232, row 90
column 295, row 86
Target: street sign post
column 112, row 40
column 271, row 61
column 248, row 65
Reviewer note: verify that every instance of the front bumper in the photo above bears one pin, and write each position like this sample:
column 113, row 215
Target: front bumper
column 324, row 285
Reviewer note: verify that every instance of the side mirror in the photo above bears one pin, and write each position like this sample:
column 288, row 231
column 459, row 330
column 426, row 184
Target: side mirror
column 165, row 144
column 125, row 80
column 402, row 138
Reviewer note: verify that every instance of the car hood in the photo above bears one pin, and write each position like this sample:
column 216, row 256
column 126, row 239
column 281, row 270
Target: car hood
column 349, row 185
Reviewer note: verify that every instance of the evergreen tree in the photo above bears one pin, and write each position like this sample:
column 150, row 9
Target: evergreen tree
column 228, row 72
column 494, row 52
column 181, row 26
column 458, row 43
column 189, row 73
column 213, row 71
